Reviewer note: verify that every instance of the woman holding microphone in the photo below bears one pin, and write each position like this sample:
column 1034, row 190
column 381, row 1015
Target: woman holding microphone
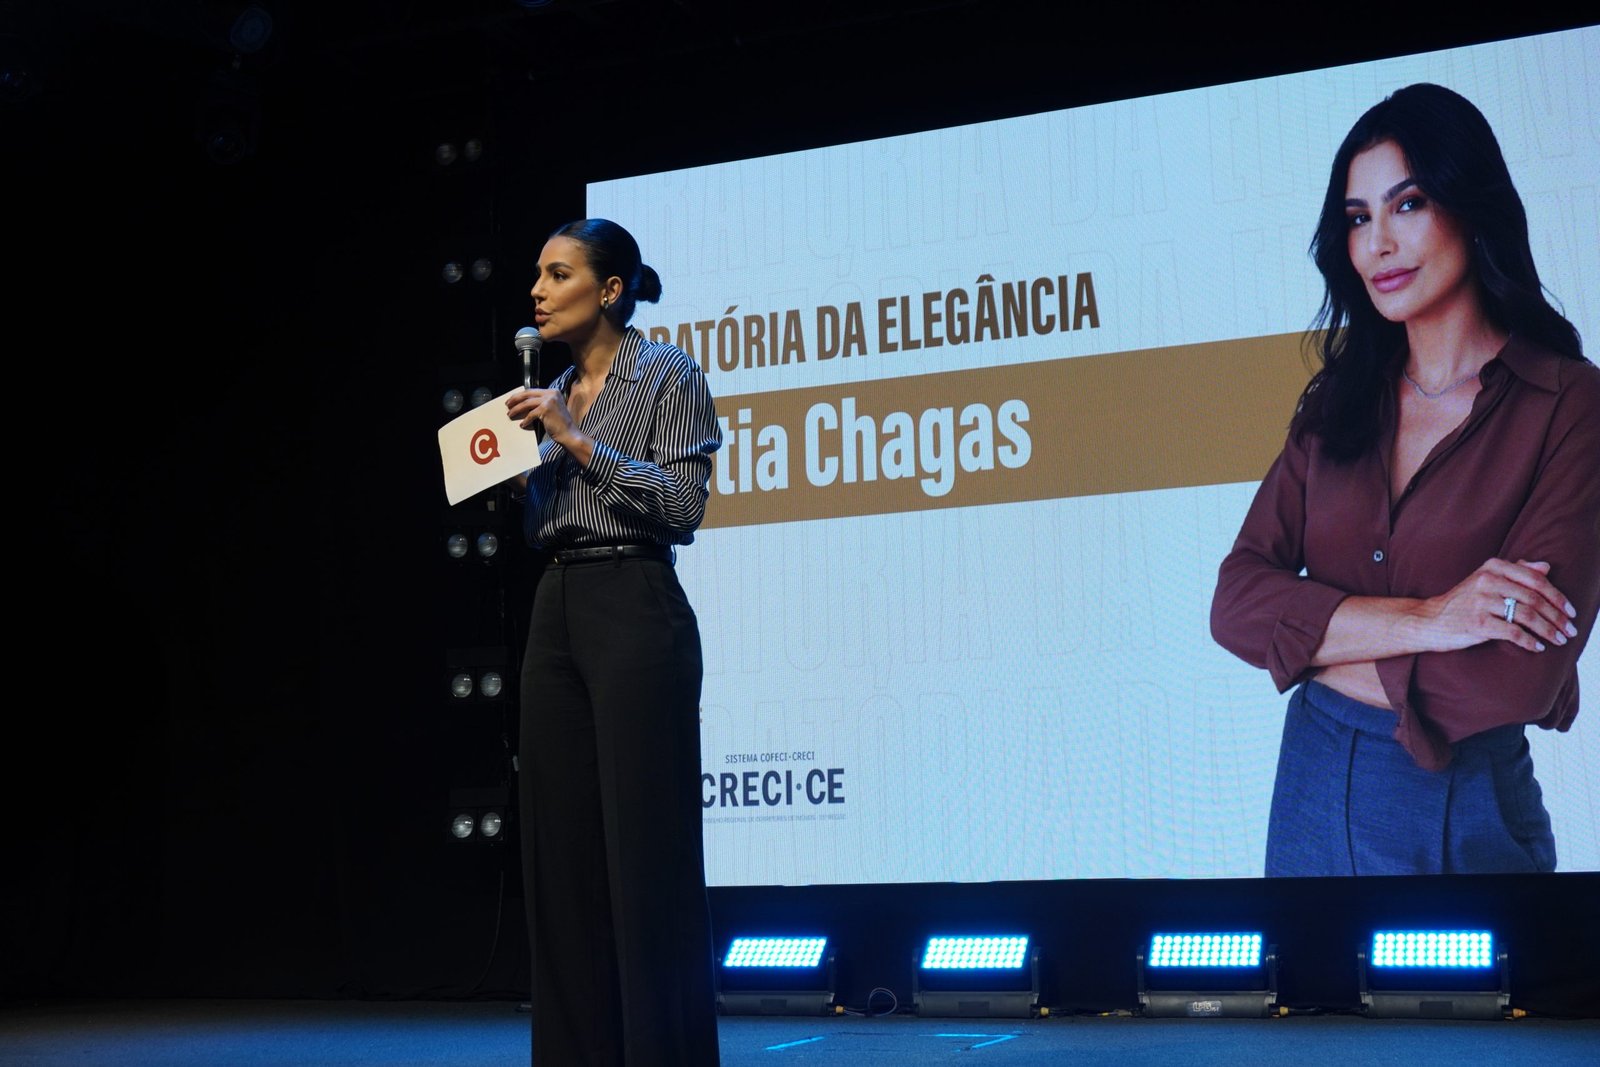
column 610, row 742
column 1423, row 559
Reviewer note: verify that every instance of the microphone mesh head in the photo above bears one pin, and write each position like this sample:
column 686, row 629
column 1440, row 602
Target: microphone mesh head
column 528, row 339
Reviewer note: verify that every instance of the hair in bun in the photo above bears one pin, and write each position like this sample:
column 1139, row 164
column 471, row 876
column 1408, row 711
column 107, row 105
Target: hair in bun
column 613, row 253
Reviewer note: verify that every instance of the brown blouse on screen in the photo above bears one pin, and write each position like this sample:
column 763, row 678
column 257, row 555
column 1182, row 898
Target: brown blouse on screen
column 1518, row 479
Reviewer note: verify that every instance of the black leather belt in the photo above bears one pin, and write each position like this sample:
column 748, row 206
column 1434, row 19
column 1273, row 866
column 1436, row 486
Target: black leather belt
column 612, row 554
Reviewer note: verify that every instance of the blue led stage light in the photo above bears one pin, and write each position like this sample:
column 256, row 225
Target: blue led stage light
column 775, row 952
column 985, row 976
column 1435, row 974
column 1205, row 950
column 1432, row 948
column 1208, row 975
column 777, row 976
column 972, row 953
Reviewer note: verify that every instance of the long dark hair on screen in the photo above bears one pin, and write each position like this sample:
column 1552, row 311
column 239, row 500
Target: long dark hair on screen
column 1456, row 162
column 613, row 252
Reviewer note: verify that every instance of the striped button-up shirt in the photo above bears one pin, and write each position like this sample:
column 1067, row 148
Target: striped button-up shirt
column 654, row 429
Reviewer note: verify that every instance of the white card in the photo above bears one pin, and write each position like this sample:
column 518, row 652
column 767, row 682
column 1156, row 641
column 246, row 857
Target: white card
column 482, row 447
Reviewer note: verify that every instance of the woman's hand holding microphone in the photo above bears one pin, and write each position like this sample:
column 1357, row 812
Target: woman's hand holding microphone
column 548, row 407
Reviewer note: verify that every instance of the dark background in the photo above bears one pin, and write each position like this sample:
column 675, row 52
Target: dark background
column 232, row 747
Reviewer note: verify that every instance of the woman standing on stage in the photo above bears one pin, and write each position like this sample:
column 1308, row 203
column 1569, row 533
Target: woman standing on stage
column 610, row 745
column 1440, row 490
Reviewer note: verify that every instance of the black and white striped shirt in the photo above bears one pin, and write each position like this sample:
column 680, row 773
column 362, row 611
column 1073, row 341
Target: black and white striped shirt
column 654, row 429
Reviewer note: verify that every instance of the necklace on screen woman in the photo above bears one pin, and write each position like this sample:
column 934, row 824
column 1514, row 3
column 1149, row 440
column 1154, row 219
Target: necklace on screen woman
column 1463, row 380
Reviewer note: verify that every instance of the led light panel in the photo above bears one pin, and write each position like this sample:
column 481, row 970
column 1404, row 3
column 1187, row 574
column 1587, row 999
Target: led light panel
column 1205, row 950
column 775, row 952
column 971, row 953
column 1432, row 948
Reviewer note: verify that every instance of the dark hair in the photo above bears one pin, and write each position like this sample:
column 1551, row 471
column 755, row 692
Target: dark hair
column 612, row 252
column 1456, row 161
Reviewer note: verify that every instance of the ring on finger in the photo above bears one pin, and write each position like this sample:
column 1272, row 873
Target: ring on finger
column 1511, row 609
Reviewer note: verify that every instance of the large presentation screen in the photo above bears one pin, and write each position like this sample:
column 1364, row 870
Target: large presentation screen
column 995, row 400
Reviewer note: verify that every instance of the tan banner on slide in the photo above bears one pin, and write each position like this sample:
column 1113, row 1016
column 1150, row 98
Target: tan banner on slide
column 1161, row 418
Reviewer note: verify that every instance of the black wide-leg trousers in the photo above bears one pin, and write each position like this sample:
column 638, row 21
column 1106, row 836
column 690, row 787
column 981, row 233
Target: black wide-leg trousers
column 610, row 811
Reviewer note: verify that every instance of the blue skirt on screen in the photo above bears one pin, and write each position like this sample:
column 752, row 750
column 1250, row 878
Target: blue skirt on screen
column 1350, row 800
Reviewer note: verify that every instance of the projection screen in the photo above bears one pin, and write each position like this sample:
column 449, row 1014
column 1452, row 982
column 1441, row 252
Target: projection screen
column 995, row 399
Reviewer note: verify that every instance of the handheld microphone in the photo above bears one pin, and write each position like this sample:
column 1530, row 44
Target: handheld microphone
column 528, row 343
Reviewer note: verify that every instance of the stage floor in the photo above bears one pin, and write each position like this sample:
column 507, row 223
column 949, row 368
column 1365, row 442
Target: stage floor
column 260, row 1033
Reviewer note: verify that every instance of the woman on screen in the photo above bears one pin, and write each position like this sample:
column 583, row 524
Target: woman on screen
column 610, row 747
column 1423, row 559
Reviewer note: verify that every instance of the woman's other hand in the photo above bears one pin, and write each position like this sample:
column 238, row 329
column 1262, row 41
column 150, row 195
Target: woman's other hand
column 1475, row 610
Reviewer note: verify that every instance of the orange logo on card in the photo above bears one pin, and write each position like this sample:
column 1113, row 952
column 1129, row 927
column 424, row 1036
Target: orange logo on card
column 485, row 448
